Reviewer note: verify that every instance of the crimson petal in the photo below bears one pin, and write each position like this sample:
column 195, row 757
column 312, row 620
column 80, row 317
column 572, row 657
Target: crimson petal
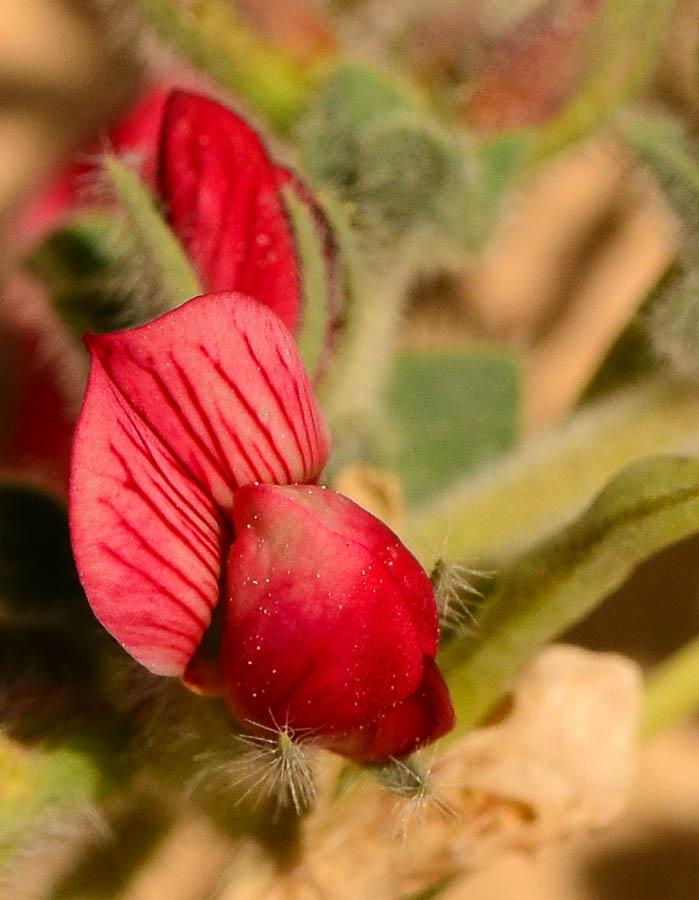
column 423, row 717
column 317, row 631
column 220, row 190
column 178, row 414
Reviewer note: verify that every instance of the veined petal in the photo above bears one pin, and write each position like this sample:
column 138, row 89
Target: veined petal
column 177, row 415
column 219, row 381
column 223, row 203
column 147, row 539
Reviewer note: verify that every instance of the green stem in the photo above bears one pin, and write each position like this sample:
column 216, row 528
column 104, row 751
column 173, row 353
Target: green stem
column 514, row 503
column 628, row 41
column 672, row 691
column 214, row 40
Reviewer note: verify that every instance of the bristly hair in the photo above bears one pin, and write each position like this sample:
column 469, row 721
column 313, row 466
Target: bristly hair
column 276, row 765
column 457, row 595
column 416, row 792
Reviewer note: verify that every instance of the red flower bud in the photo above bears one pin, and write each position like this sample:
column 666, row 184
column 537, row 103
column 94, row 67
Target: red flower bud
column 220, row 191
column 330, row 625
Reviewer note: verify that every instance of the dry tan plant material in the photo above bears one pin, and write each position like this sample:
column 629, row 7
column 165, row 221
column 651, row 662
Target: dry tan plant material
column 560, row 759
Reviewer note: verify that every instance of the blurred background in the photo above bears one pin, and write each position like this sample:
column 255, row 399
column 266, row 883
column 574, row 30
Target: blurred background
column 573, row 258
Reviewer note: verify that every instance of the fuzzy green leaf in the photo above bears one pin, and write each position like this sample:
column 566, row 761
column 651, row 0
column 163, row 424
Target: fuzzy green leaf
column 453, row 411
column 651, row 504
column 499, row 162
column 535, row 489
column 353, row 99
column 626, row 42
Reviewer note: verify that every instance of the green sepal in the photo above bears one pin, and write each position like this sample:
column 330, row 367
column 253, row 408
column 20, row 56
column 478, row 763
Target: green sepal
column 107, row 271
column 323, row 285
column 160, row 259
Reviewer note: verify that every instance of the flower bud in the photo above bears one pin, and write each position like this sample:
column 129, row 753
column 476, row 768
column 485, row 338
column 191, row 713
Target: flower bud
column 330, row 626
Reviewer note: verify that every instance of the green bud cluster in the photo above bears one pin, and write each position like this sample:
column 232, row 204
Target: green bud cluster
column 369, row 138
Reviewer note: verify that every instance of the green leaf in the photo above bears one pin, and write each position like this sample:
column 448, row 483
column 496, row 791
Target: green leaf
column 626, row 41
column 671, row 318
column 650, row 505
column 500, row 160
column 514, row 502
column 408, row 174
column 351, row 101
column 453, row 411
column 672, row 691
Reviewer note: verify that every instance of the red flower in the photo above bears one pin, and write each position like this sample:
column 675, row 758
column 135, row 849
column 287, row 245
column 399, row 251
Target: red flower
column 194, row 499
